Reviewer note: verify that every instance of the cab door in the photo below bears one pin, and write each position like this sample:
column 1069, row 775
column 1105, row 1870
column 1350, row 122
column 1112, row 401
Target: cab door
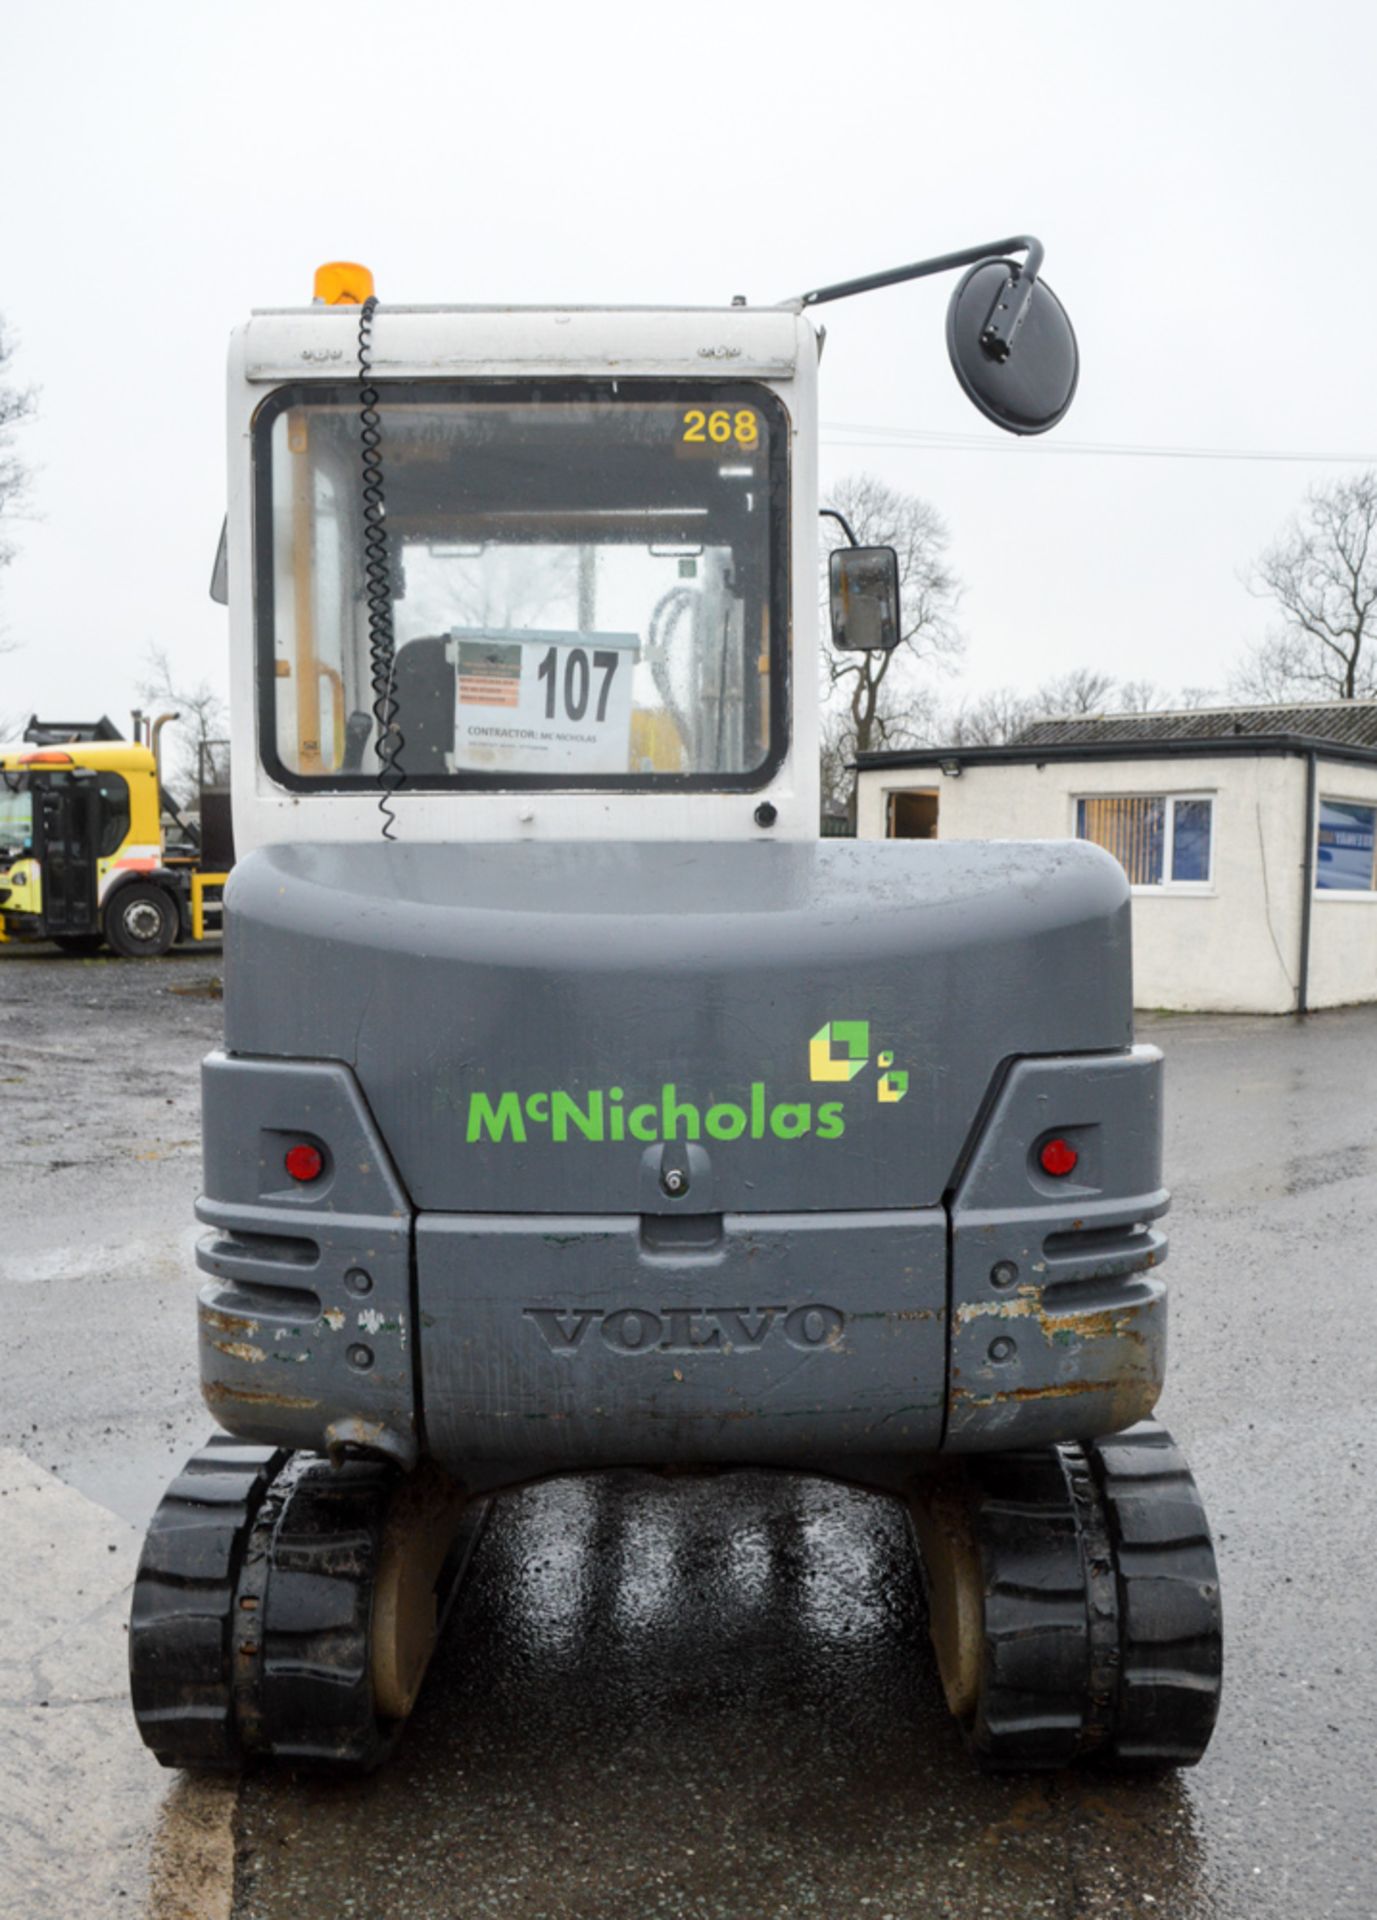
column 65, row 823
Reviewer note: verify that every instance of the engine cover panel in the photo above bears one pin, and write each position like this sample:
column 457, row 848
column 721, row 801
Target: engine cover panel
column 543, row 1028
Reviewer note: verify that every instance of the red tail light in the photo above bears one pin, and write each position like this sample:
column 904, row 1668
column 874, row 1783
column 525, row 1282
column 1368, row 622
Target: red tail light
column 1058, row 1157
column 304, row 1162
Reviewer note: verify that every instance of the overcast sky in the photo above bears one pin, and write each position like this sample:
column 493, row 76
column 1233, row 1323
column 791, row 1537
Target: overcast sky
column 1201, row 177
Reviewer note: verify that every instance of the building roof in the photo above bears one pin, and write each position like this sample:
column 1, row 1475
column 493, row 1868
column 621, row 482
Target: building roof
column 1336, row 730
column 1350, row 722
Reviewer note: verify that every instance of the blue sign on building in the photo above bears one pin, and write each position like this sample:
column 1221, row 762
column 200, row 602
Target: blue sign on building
column 1346, row 842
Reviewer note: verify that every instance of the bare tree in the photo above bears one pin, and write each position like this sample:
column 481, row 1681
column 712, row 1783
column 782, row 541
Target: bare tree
column 499, row 589
column 1083, row 690
column 878, row 700
column 835, row 763
column 17, row 404
column 202, row 712
column 1322, row 574
column 993, row 719
column 922, row 727
column 1142, row 696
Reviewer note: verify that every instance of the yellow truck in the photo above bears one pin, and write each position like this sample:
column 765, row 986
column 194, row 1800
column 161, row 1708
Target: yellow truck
column 85, row 859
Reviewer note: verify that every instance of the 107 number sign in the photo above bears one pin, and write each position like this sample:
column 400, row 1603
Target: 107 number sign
column 576, row 682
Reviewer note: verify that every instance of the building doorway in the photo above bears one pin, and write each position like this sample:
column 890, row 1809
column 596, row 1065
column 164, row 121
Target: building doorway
column 912, row 815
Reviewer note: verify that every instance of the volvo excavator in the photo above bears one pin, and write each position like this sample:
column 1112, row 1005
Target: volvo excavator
column 579, row 1106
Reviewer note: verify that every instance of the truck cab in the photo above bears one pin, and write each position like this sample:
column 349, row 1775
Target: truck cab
column 81, row 847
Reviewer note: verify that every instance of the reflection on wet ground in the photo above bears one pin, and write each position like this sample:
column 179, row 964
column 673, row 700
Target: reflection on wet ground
column 706, row 1697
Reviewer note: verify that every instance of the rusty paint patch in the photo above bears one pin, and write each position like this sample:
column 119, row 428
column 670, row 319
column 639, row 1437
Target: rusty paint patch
column 240, row 1350
column 1128, row 1399
column 228, row 1322
column 364, row 1433
column 1067, row 1327
column 1059, row 1390
column 216, row 1392
column 334, row 1318
column 1023, row 1307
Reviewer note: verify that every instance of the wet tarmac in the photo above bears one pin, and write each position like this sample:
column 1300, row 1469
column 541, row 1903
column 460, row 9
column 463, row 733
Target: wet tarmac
column 713, row 1697
column 100, row 1088
column 100, row 1103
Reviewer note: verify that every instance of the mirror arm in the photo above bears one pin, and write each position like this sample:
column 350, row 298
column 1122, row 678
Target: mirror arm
column 1005, row 319
column 830, row 513
column 922, row 269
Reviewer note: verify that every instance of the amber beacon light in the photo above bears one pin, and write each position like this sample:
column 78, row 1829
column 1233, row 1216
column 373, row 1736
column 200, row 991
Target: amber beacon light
column 343, row 283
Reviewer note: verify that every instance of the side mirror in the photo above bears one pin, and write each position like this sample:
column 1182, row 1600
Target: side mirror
column 219, row 573
column 1012, row 347
column 864, row 593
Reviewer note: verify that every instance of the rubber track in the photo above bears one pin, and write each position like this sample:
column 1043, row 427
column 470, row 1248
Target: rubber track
column 252, row 1610
column 314, row 1680
column 1032, row 1707
column 1171, row 1630
column 1101, row 1606
column 184, row 1604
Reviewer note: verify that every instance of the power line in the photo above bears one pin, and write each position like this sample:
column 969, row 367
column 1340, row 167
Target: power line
column 854, row 434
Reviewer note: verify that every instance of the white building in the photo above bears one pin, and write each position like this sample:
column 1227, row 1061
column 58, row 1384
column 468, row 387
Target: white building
column 1247, row 834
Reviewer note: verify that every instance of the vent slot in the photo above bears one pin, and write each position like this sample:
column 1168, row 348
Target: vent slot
column 1102, row 1253
column 1090, row 1242
column 257, row 1258
column 256, row 1302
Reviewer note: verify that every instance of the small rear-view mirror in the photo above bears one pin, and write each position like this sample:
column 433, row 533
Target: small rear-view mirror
column 219, row 573
column 864, row 584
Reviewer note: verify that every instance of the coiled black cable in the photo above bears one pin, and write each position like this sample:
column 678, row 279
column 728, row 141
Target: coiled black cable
column 377, row 572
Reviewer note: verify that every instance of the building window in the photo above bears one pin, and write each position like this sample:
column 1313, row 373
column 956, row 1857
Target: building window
column 1159, row 839
column 1344, row 853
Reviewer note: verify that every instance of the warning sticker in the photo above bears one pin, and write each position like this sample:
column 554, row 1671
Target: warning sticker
column 489, row 676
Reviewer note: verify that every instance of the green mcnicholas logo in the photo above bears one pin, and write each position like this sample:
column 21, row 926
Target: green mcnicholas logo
column 837, row 1052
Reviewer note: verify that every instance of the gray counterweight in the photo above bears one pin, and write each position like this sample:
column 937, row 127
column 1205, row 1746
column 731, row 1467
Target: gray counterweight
column 680, row 1155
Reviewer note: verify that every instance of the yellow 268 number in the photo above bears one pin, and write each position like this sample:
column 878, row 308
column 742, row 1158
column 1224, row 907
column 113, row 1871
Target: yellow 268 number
column 722, row 426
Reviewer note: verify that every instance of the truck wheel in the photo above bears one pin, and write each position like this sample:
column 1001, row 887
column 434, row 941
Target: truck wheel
column 141, row 921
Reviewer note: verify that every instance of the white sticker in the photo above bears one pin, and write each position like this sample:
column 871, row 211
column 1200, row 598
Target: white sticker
column 536, row 702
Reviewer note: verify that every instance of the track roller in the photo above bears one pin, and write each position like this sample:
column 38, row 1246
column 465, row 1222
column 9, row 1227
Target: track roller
column 1073, row 1600
column 287, row 1609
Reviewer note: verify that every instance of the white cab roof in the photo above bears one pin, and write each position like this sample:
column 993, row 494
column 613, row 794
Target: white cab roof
column 735, row 342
